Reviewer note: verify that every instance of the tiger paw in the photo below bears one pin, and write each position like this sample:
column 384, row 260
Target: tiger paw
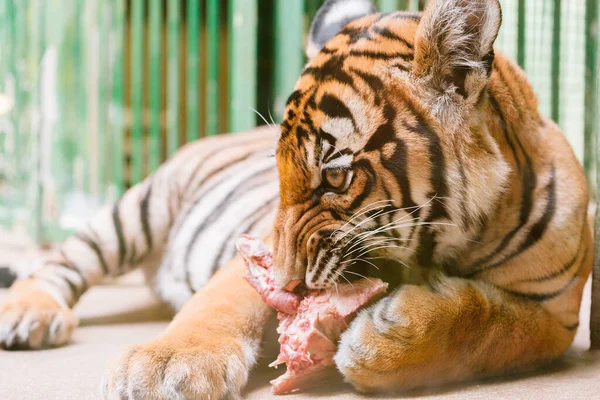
column 30, row 318
column 166, row 369
column 406, row 339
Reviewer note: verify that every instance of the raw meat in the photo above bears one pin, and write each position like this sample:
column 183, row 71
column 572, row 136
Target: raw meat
column 310, row 325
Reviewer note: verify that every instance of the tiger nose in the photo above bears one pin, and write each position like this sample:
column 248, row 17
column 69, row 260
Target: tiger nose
column 292, row 285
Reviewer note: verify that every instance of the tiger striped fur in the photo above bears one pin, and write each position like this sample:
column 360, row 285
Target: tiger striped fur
column 410, row 149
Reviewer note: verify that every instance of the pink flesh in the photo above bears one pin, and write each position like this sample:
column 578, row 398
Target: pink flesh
column 309, row 327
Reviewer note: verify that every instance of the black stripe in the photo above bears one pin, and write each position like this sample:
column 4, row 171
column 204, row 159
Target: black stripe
column 72, row 287
column 7, row 277
column 386, row 33
column 205, row 190
column 294, row 98
column 230, row 197
column 414, row 16
column 373, row 82
column 564, row 268
column 427, row 241
column 536, row 232
column 504, row 126
column 95, row 248
column 323, row 264
column 379, row 55
column 366, row 166
column 247, row 225
column 67, row 263
column 331, row 70
column 119, row 231
column 543, row 296
column 335, row 108
column 528, row 185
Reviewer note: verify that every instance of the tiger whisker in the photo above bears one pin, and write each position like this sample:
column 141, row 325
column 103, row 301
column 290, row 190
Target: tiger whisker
column 368, row 233
column 262, row 117
column 416, row 208
column 383, row 247
column 363, row 238
column 368, row 219
column 342, row 275
column 270, row 116
column 360, row 275
column 360, row 259
column 360, row 212
column 361, row 248
column 387, row 258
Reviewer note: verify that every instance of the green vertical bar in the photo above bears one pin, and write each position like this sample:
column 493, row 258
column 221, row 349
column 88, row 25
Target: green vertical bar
column 212, row 67
column 35, row 29
column 413, row 5
column 521, row 34
column 81, row 103
column 591, row 130
column 289, row 55
column 137, row 80
column 172, row 77
column 103, row 75
column 154, row 77
column 556, row 43
column 243, row 18
column 592, row 159
column 117, row 95
column 193, row 57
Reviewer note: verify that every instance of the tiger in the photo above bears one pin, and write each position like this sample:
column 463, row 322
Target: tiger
column 409, row 149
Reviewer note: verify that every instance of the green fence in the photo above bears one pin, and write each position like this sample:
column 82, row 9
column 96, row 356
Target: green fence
column 94, row 94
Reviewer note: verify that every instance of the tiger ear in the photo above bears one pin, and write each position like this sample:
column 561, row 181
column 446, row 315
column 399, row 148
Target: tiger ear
column 454, row 46
column 331, row 19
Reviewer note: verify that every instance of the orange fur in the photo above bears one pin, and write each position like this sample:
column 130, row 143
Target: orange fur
column 486, row 201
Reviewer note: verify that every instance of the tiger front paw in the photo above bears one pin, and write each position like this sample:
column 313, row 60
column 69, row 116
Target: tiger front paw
column 413, row 337
column 168, row 369
column 32, row 319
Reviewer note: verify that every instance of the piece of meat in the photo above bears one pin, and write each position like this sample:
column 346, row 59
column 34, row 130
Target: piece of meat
column 309, row 326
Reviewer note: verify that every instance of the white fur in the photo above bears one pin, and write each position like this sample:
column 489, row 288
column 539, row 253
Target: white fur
column 343, row 162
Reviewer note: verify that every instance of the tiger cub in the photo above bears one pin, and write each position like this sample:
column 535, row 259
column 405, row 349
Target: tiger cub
column 409, row 149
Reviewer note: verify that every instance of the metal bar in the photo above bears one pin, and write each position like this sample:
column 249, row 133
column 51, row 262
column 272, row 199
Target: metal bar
column 155, row 84
column 136, row 148
column 117, row 43
column 592, row 159
column 172, row 77
column 556, row 45
column 81, row 117
column 591, row 100
column 289, row 55
column 193, row 63
column 521, row 34
column 34, row 151
column 103, row 75
column 243, row 19
column 212, row 67
column 5, row 60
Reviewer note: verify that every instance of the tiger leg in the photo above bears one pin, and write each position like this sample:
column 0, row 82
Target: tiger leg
column 37, row 311
column 453, row 330
column 205, row 353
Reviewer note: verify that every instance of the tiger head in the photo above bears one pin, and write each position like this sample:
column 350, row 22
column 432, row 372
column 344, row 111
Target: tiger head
column 385, row 125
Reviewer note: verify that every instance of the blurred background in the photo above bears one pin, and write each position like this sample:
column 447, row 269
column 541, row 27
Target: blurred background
column 95, row 94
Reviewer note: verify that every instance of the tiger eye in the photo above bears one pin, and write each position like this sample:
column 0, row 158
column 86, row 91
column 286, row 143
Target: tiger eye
column 335, row 178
